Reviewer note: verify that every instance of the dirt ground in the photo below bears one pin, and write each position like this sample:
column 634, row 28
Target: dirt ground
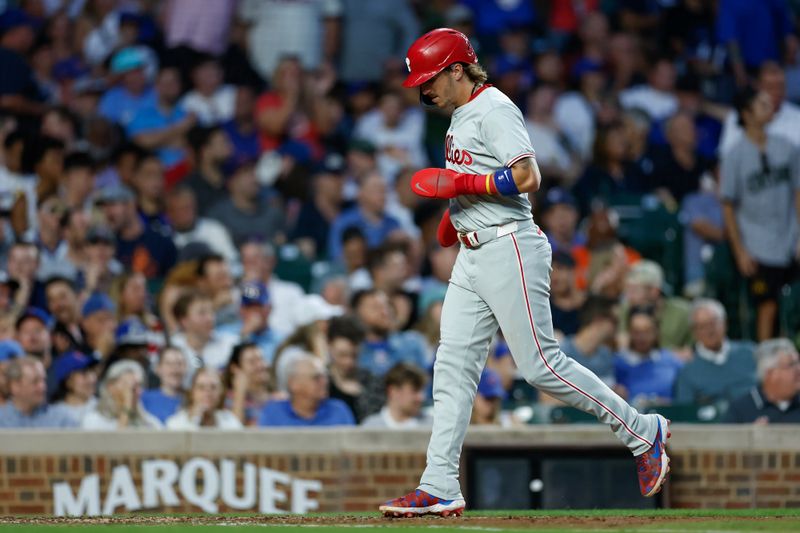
column 598, row 522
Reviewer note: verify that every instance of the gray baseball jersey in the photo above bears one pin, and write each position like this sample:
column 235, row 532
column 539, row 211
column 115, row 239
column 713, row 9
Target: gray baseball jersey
column 485, row 135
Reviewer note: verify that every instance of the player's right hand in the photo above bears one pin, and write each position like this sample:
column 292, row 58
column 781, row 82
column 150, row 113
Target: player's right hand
column 446, row 234
column 434, row 183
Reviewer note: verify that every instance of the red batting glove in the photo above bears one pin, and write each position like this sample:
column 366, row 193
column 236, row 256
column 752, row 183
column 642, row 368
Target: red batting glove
column 446, row 234
column 445, row 183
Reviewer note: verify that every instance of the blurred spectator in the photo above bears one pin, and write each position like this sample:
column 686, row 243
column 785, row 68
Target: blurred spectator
column 565, row 297
column 488, row 400
column 360, row 390
column 590, row 346
column 139, row 247
column 644, row 288
column 701, row 215
column 99, row 267
column 188, row 226
column 575, row 111
column 245, row 211
column 558, row 213
column 761, row 174
column 163, row 124
column 552, row 152
column 253, row 323
column 122, row 103
column 389, row 27
column 19, row 92
column 645, row 370
column 64, row 305
column 609, row 174
column 755, row 33
column 165, row 401
column 210, row 101
column 53, row 260
column 148, row 184
column 132, row 343
column 308, row 403
column 130, row 294
column 402, row 203
column 202, row 30
column 721, row 370
column 121, row 166
column 688, row 30
column 241, row 128
column 98, row 324
column 9, row 350
column 657, row 98
column 27, row 402
column 776, row 399
column 271, row 34
column 76, row 378
column 369, row 216
column 197, row 338
column 404, row 396
column 786, row 115
column 247, row 380
column 120, row 406
column 397, row 133
column 33, row 334
column 321, row 209
column 204, row 405
column 78, row 181
column 215, row 281
column 258, row 264
column 388, row 267
column 210, row 149
column 383, row 347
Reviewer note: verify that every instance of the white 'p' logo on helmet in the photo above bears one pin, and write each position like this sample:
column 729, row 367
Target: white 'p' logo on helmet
column 408, row 64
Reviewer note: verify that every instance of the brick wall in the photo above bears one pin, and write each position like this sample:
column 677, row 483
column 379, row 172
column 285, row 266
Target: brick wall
column 724, row 467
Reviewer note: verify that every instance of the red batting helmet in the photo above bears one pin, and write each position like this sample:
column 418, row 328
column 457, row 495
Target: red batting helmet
column 434, row 52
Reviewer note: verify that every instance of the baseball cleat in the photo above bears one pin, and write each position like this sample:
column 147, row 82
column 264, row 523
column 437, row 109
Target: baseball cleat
column 418, row 503
column 653, row 465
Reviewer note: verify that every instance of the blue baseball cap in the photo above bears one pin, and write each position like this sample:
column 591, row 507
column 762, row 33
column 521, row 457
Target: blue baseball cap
column 70, row 362
column 558, row 196
column 97, row 302
column 254, row 293
column 585, row 66
column 132, row 332
column 114, row 193
column 237, row 163
column 39, row 314
column 14, row 18
column 9, row 349
column 490, row 385
column 128, row 59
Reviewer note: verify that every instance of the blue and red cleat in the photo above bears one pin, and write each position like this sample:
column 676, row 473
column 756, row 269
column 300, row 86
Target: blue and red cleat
column 653, row 465
column 418, row 503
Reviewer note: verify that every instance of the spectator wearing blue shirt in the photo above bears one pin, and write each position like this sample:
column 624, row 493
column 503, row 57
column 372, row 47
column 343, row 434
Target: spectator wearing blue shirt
column 645, row 370
column 384, row 347
column 27, row 406
column 369, row 216
column 253, row 323
column 163, row 125
column 308, row 404
column 165, row 401
column 122, row 103
column 241, row 129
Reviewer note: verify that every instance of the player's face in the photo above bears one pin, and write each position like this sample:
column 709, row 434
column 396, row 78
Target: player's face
column 440, row 89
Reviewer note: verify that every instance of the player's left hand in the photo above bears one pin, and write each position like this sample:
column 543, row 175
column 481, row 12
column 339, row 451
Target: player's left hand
column 434, row 183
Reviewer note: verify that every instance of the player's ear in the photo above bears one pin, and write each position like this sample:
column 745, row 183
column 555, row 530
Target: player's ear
column 458, row 71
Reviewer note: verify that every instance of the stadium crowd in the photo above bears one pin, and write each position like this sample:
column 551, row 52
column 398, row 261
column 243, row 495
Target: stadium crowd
column 206, row 218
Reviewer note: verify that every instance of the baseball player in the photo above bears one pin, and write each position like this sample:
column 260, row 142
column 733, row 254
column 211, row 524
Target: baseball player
column 500, row 279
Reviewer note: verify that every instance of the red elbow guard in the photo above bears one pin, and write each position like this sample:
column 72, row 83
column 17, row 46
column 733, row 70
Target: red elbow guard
column 446, row 234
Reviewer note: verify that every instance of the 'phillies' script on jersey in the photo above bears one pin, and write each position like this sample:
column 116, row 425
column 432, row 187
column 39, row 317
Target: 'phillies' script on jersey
column 454, row 155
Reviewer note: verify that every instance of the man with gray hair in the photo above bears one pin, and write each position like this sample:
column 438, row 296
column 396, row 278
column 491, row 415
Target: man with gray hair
column 27, row 405
column 308, row 404
column 776, row 400
column 721, row 370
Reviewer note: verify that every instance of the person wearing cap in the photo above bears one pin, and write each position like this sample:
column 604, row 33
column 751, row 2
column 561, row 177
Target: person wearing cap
column 27, row 402
column 76, row 378
column 18, row 89
column 575, row 111
column 163, row 125
column 253, row 323
column 559, row 213
column 32, row 328
column 139, row 247
column 405, row 393
column 565, row 297
column 369, row 216
column 9, row 349
column 245, row 212
column 119, row 405
column 165, row 401
column 211, row 149
column 644, row 287
column 98, row 323
column 488, row 400
column 120, row 104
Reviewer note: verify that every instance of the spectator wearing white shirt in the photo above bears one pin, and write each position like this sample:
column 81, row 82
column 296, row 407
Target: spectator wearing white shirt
column 576, row 110
column 657, row 97
column 210, row 100
column 786, row 120
column 181, row 210
column 204, row 405
column 404, row 398
column 552, row 154
column 76, row 376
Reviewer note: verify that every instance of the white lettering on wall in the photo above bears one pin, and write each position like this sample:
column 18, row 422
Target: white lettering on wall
column 86, row 503
column 205, row 500
column 121, row 491
column 229, row 496
column 301, row 503
column 158, row 478
column 270, row 494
